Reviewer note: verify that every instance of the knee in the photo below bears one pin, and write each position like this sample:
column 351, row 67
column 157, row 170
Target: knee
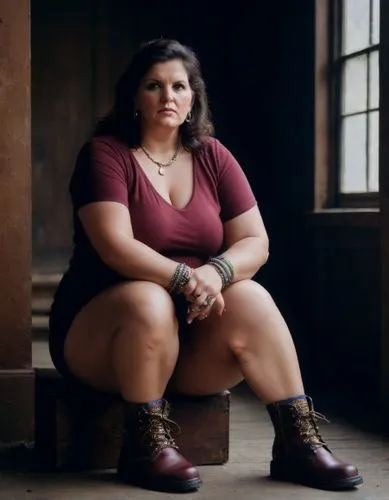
column 248, row 306
column 247, row 295
column 148, row 310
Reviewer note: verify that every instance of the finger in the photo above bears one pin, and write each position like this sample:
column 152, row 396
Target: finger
column 196, row 300
column 207, row 310
column 203, row 316
column 193, row 312
column 219, row 305
column 201, row 300
column 199, row 307
column 203, row 310
column 195, row 295
column 189, row 289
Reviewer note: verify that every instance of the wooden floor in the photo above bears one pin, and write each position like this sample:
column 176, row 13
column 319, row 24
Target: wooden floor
column 244, row 476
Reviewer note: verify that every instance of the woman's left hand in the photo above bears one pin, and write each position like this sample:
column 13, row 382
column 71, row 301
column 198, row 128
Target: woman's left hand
column 204, row 282
column 201, row 292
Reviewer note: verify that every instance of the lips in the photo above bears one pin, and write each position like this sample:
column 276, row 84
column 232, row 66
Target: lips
column 167, row 110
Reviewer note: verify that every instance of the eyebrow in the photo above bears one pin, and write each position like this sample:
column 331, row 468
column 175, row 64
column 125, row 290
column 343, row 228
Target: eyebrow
column 160, row 81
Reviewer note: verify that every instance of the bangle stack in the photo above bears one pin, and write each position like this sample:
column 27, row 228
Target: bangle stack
column 180, row 278
column 224, row 269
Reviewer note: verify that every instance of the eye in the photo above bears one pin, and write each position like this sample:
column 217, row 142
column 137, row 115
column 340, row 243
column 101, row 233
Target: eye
column 179, row 86
column 153, row 86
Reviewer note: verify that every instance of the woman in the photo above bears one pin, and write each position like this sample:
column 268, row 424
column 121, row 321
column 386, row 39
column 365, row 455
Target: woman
column 158, row 293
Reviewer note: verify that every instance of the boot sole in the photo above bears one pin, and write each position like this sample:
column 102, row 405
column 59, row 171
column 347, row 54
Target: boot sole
column 164, row 486
column 279, row 473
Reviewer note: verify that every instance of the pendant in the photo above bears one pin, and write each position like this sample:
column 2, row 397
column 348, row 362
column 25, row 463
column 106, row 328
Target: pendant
column 161, row 170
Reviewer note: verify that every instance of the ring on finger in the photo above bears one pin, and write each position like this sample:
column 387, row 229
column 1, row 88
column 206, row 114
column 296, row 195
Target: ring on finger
column 208, row 301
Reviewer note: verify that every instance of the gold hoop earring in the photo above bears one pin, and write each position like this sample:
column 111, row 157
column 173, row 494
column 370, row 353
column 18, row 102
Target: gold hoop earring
column 188, row 117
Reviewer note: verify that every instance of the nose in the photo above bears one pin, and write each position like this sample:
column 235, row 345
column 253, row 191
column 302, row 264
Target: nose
column 167, row 94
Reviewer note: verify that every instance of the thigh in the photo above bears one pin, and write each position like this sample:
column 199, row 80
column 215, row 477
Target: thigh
column 88, row 343
column 207, row 363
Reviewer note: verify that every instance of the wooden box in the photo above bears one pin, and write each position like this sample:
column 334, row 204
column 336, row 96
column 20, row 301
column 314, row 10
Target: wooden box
column 78, row 430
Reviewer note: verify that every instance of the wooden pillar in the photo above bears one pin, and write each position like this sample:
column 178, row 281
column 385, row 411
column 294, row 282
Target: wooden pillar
column 384, row 195
column 16, row 376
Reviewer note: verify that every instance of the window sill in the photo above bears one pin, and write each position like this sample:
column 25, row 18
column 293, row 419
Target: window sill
column 345, row 217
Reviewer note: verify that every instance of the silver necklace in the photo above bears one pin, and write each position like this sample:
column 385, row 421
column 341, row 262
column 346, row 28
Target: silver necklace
column 161, row 166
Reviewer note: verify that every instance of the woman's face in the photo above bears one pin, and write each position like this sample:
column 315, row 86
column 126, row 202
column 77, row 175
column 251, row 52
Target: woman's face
column 164, row 96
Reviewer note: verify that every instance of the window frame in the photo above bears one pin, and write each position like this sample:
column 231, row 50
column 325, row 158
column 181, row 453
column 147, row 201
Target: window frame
column 328, row 110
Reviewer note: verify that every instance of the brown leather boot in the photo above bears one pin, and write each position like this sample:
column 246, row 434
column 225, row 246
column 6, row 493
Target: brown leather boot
column 149, row 457
column 299, row 453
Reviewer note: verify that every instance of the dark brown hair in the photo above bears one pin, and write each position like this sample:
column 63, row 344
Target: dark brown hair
column 121, row 121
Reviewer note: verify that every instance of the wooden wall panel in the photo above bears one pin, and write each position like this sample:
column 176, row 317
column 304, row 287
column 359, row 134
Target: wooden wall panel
column 62, row 113
column 346, row 311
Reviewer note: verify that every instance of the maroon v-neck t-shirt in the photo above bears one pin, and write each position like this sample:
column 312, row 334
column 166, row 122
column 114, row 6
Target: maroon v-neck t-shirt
column 106, row 170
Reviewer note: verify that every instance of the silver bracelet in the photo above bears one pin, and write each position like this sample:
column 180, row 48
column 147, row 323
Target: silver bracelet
column 224, row 268
column 180, row 278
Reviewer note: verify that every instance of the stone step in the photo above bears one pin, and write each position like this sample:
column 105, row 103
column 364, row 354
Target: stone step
column 82, row 430
column 40, row 326
column 40, row 322
column 44, row 285
column 43, row 289
column 41, row 305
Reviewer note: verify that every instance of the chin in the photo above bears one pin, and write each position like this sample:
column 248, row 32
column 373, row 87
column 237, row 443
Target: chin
column 170, row 122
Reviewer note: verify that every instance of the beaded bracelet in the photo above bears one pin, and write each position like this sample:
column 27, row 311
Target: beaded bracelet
column 224, row 269
column 180, row 278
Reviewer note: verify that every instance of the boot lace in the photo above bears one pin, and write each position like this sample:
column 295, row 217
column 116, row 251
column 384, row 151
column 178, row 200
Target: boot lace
column 306, row 422
column 158, row 429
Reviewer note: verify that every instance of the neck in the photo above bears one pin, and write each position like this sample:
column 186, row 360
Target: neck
column 160, row 141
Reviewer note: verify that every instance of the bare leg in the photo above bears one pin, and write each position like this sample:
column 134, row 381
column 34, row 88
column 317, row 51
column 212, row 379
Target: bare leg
column 126, row 340
column 250, row 340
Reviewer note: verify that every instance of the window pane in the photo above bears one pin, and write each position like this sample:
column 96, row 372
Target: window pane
column 375, row 35
column 353, row 172
column 373, row 151
column 374, row 81
column 355, row 85
column 355, row 25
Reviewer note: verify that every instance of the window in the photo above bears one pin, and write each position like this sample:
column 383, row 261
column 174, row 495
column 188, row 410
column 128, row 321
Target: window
column 355, row 99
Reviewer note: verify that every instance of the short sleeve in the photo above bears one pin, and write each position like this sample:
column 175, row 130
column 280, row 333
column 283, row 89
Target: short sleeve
column 100, row 174
column 234, row 191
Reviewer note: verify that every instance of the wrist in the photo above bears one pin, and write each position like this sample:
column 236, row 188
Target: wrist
column 180, row 278
column 224, row 269
column 214, row 270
